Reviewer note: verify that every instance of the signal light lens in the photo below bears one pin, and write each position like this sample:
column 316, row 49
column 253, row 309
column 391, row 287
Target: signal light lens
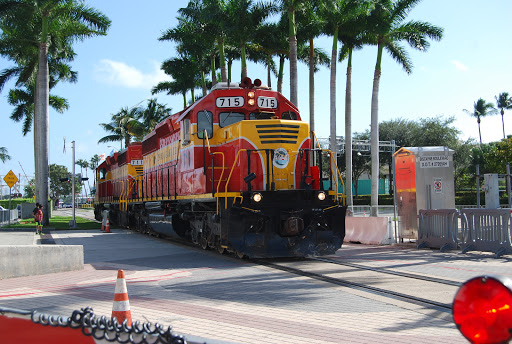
column 251, row 102
column 257, row 197
column 321, row 195
column 250, row 94
column 482, row 310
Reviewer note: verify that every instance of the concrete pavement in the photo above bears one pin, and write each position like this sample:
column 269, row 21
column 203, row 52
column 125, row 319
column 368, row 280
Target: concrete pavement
column 217, row 299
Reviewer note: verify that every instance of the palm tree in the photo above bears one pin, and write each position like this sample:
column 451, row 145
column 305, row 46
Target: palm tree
column 123, row 126
column 336, row 14
column 185, row 73
column 23, row 102
column 195, row 43
column 59, row 22
column 212, row 16
column 153, row 114
column 387, row 29
column 353, row 36
column 481, row 108
column 83, row 164
column 503, row 101
column 242, row 17
column 310, row 28
column 93, row 165
column 4, row 155
column 272, row 41
column 290, row 6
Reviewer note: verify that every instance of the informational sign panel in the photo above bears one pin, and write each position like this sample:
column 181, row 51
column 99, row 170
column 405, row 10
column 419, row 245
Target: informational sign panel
column 10, row 179
column 435, row 161
column 438, row 185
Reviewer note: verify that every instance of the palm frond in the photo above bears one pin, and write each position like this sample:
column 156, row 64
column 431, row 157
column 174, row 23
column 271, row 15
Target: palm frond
column 399, row 54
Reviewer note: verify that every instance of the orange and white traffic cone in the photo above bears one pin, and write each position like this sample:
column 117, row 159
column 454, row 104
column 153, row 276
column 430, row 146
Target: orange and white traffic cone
column 107, row 227
column 121, row 307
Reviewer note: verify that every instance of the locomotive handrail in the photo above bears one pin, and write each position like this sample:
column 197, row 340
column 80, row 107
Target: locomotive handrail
column 213, row 170
column 333, row 160
column 229, row 177
column 316, row 139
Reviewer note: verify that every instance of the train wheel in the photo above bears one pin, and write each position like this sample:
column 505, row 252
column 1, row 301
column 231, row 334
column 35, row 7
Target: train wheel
column 240, row 255
column 204, row 242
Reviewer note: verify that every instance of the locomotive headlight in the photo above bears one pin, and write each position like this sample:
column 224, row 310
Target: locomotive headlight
column 251, row 100
column 257, row 197
column 321, row 195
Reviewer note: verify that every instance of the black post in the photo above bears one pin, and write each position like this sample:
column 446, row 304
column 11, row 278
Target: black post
column 320, row 165
column 249, row 186
column 268, row 169
column 213, row 175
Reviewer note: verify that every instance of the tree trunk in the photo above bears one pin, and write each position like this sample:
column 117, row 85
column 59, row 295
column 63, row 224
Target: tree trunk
column 503, row 122
column 374, row 144
column 230, row 63
column 479, row 132
column 280, row 76
column 41, row 122
column 312, row 94
column 348, row 131
column 203, row 84
column 244, row 61
column 293, row 59
column 269, row 80
column 214, row 77
column 334, row 146
column 223, row 71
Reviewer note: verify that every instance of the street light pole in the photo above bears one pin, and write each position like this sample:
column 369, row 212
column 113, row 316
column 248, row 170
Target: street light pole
column 72, row 224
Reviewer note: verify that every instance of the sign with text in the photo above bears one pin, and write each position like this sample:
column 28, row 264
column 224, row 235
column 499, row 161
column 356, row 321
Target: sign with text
column 438, row 185
column 10, row 179
column 435, row 161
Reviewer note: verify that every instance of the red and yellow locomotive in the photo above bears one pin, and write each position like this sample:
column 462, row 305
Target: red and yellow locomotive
column 234, row 171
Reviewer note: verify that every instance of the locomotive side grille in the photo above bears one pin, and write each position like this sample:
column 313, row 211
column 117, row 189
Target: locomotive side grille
column 138, row 170
column 278, row 133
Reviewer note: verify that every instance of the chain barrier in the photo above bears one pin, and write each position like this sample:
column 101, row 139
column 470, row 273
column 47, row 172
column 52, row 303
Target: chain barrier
column 103, row 328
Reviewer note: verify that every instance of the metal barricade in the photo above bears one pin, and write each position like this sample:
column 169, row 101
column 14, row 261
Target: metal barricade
column 7, row 216
column 438, row 229
column 486, row 230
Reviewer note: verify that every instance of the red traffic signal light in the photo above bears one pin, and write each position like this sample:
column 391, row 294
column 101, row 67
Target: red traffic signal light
column 482, row 309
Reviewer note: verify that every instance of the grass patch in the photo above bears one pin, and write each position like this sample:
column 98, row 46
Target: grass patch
column 59, row 222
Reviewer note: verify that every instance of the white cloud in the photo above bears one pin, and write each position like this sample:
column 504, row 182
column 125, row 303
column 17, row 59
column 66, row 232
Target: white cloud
column 459, row 65
column 120, row 74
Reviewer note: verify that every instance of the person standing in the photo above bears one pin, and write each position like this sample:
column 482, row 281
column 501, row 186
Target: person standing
column 34, row 213
column 39, row 220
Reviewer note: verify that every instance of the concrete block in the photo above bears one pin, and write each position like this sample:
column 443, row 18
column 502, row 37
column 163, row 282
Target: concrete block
column 368, row 230
column 28, row 260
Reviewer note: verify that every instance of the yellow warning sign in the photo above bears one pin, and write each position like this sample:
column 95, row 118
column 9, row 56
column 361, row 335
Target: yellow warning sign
column 10, row 179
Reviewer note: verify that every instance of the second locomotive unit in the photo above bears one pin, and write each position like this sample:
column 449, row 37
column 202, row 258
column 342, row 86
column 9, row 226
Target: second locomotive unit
column 234, row 171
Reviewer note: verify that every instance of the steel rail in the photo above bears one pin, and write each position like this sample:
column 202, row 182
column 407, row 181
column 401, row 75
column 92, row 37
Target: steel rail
column 379, row 291
column 390, row 272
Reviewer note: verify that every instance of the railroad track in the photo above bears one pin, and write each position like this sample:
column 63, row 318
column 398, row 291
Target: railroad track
column 428, row 292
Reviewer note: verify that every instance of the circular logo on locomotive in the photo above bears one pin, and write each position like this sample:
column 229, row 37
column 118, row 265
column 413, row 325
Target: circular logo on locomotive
column 281, row 158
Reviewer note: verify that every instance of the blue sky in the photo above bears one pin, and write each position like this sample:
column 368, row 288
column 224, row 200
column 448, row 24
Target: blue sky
column 472, row 60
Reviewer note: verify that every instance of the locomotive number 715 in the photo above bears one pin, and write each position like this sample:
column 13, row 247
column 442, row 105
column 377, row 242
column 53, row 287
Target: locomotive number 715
column 223, row 102
column 267, row 102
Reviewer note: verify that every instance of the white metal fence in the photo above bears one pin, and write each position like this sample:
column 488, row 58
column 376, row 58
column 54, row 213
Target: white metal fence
column 5, row 214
